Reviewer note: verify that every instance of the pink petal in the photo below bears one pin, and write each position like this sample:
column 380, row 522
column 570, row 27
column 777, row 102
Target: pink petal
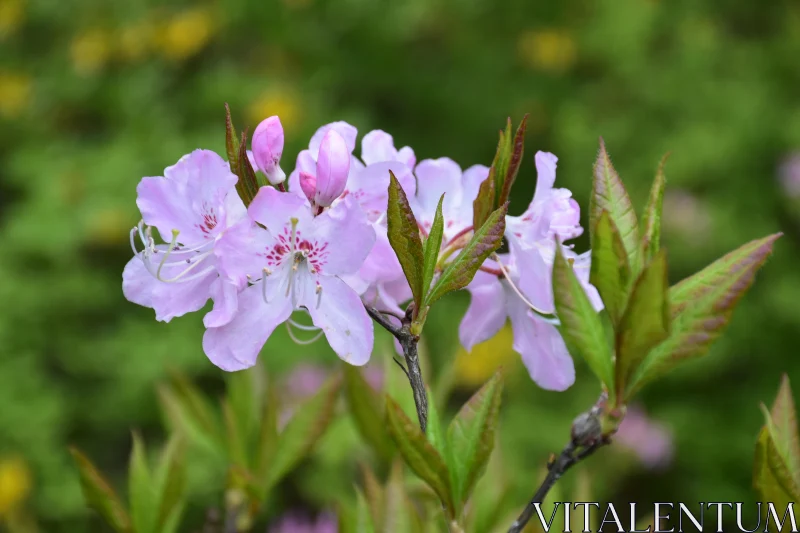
column 545, row 173
column 348, row 133
column 169, row 300
column 274, row 209
column 333, row 167
column 349, row 235
column 236, row 345
column 308, row 184
column 377, row 146
column 268, row 147
column 342, row 317
column 434, row 178
column 486, row 313
column 224, row 294
column 406, row 156
column 535, row 274
column 240, row 252
column 371, row 184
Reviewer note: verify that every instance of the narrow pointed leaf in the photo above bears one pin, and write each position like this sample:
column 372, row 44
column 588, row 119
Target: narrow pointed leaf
column 646, row 321
column 236, row 443
column 701, row 309
column 169, row 481
column 434, row 430
column 460, row 271
column 514, row 161
column 404, row 237
column 610, row 271
column 432, row 246
column 267, row 433
column 771, row 477
column 609, row 194
column 419, row 454
column 396, row 515
column 100, row 496
column 375, row 496
column 471, row 437
column 502, row 158
column 303, row 431
column 231, row 141
column 483, row 205
column 141, row 493
column 241, row 390
column 783, row 428
column 366, row 407
column 581, row 326
column 248, row 183
column 363, row 520
column 651, row 221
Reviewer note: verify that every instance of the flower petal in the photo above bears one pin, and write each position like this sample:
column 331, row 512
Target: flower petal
column 377, row 146
column 224, row 294
column 486, row 313
column 342, row 317
column 436, row 177
column 545, row 173
column 274, row 209
column 350, row 236
column 236, row 345
column 348, row 132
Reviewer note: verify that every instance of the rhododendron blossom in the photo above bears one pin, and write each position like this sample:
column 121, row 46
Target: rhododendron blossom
column 191, row 207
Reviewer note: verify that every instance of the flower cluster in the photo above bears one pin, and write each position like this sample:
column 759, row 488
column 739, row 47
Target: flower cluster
column 321, row 248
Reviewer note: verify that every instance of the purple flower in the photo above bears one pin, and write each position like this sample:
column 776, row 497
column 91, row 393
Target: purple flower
column 267, row 147
column 649, row 440
column 519, row 286
column 298, row 522
column 192, row 206
column 333, row 166
column 294, row 263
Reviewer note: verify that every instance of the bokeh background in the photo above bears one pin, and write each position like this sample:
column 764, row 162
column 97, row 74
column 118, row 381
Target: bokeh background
column 94, row 95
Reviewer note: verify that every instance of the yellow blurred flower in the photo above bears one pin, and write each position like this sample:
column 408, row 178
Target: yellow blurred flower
column 15, row 483
column 12, row 13
column 90, row 51
column 15, row 94
column 136, row 40
column 550, row 50
column 186, row 33
column 473, row 369
column 275, row 102
column 109, row 226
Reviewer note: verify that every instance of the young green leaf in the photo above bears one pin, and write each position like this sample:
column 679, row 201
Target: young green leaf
column 236, row 443
column 581, row 326
column 231, row 142
column 303, row 431
column 144, row 506
column 646, row 321
column 460, row 271
column 404, row 237
column 517, row 149
column 701, row 308
column 419, row 454
column 609, row 194
column 471, row 436
column 434, row 430
column 169, row 480
column 610, row 271
column 247, row 176
column 432, row 246
column 502, row 159
column 100, row 496
column 771, row 477
column 483, row 205
column 363, row 520
column 783, row 428
column 651, row 223
column 267, row 432
column 366, row 407
column 396, row 515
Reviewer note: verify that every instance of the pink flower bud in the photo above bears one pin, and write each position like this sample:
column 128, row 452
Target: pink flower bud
column 333, row 166
column 267, row 149
column 308, row 183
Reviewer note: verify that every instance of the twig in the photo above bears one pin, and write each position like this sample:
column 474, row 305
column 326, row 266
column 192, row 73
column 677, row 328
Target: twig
column 408, row 341
column 587, row 438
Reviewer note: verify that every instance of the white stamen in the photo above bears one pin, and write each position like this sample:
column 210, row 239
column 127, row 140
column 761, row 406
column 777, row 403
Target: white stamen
column 300, row 341
column 303, row 327
column 535, row 309
column 266, row 272
column 319, row 294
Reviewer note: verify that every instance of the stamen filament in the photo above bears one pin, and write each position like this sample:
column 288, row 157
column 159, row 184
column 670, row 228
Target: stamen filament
column 535, row 309
column 300, row 341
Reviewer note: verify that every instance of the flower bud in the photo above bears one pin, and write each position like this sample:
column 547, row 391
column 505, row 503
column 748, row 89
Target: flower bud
column 333, row 166
column 267, row 149
column 308, row 183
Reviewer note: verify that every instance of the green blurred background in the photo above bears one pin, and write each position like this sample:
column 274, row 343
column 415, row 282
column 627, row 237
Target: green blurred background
column 94, row 95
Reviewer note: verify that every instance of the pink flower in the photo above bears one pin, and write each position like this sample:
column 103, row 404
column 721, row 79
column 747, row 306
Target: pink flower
column 192, row 206
column 648, row 439
column 528, row 268
column 267, row 148
column 333, row 166
column 295, row 522
column 294, row 263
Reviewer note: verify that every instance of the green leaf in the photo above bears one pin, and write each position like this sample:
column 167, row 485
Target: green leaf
column 367, row 409
column 783, row 428
column 419, row 454
column 701, row 307
column 609, row 194
column 432, row 246
column 100, row 496
column 483, row 205
column 517, row 149
column 304, row 430
column 434, row 430
column 189, row 411
column 403, row 233
column 231, row 142
column 471, row 437
column 268, row 434
column 651, row 223
column 610, row 271
column 242, row 390
column 581, row 326
column 248, row 183
column 646, row 321
column 141, row 493
column 169, row 481
column 363, row 520
column 771, row 477
column 460, row 271
column 501, row 159
column 236, row 444
column 396, row 516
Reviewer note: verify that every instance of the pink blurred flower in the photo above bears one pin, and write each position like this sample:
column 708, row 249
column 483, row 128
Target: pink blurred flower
column 789, row 175
column 651, row 441
column 686, row 216
column 298, row 522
